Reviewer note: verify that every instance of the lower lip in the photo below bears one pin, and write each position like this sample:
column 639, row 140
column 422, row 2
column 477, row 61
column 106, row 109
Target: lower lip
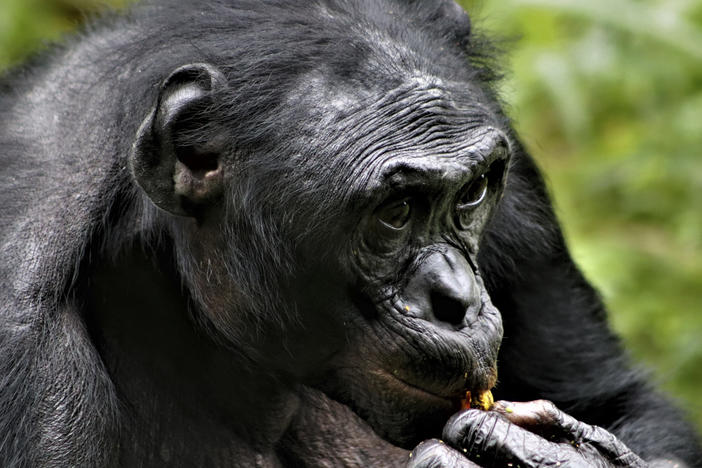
column 395, row 381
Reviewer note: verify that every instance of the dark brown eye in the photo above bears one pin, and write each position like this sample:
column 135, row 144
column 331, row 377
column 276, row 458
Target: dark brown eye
column 395, row 215
column 473, row 194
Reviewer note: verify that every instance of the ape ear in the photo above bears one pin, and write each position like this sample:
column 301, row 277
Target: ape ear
column 176, row 156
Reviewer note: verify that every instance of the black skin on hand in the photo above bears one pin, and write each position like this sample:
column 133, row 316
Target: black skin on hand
column 292, row 233
column 527, row 435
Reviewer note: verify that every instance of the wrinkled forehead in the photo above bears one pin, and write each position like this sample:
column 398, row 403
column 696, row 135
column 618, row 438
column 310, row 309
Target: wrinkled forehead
column 422, row 127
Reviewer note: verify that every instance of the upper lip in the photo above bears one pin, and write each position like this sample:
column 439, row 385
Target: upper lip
column 447, row 379
column 452, row 391
column 445, row 395
column 396, row 308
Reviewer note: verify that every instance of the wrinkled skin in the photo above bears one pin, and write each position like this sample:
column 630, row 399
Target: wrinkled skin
column 293, row 233
column 533, row 434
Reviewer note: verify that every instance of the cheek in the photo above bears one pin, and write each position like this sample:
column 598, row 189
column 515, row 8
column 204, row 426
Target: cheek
column 406, row 382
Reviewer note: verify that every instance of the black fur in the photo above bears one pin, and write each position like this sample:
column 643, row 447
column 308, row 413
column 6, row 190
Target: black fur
column 107, row 356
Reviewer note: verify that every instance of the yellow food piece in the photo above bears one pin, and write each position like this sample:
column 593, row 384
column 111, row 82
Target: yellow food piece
column 483, row 401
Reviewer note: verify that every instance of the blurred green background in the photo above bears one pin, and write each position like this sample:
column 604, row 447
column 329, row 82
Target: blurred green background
column 607, row 94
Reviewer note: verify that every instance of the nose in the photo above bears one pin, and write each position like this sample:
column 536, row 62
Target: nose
column 443, row 290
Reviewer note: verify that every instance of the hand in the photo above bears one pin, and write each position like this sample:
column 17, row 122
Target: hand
column 434, row 453
column 532, row 434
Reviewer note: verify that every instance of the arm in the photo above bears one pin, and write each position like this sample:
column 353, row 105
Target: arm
column 557, row 343
column 325, row 433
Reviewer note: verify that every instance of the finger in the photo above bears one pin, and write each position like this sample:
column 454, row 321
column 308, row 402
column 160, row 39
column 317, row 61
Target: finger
column 490, row 439
column 436, row 454
column 545, row 419
column 539, row 416
column 528, row 413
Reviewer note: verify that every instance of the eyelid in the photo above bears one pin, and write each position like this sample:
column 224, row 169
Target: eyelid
column 483, row 183
column 463, row 212
column 390, row 205
column 390, row 226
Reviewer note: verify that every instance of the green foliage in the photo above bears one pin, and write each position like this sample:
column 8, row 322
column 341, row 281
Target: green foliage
column 25, row 25
column 608, row 96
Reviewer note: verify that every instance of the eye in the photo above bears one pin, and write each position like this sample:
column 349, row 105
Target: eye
column 470, row 197
column 473, row 194
column 394, row 215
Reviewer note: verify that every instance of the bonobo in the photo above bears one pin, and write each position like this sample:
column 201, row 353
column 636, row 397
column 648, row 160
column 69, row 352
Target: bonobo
column 294, row 233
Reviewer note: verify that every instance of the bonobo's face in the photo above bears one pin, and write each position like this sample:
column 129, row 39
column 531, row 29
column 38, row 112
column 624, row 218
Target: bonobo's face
column 421, row 167
column 345, row 254
column 356, row 191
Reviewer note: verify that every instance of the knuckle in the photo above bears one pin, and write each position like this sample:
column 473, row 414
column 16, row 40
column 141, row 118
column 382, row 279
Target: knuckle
column 427, row 454
column 548, row 406
column 549, row 412
column 469, row 428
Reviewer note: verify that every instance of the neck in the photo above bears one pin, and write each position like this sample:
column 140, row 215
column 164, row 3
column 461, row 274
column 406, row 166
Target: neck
column 184, row 396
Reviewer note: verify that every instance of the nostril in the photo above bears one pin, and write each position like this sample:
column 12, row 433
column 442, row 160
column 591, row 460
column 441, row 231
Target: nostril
column 447, row 309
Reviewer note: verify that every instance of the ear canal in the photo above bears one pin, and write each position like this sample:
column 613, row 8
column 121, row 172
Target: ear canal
column 176, row 175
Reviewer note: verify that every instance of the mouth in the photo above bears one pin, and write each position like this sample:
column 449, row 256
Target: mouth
column 481, row 400
column 455, row 397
